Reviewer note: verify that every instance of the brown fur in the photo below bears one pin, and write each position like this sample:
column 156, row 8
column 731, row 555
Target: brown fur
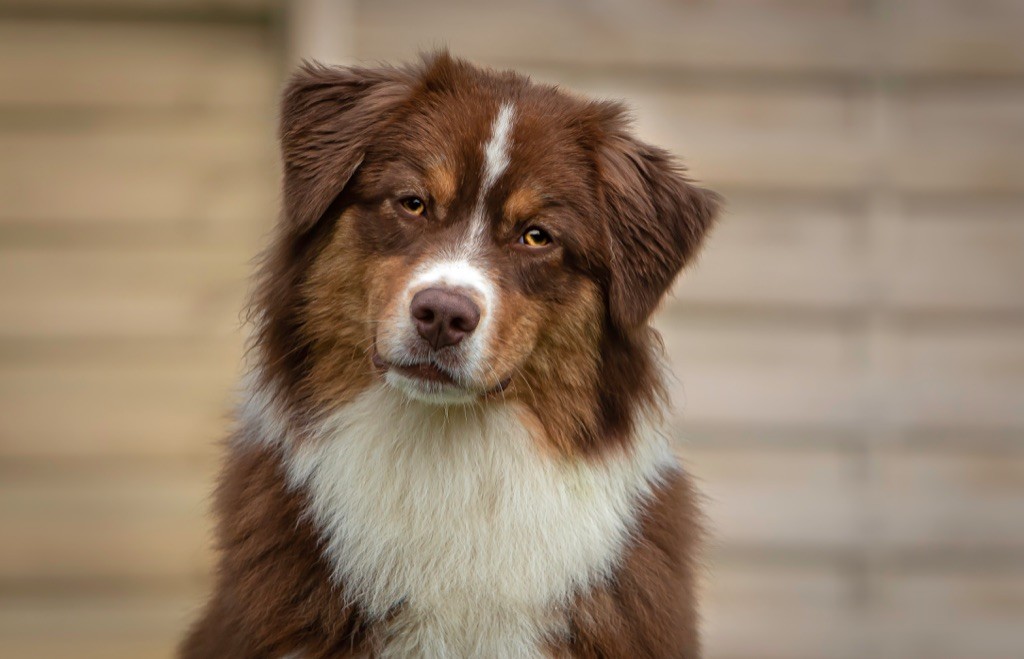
column 571, row 333
column 649, row 610
column 274, row 592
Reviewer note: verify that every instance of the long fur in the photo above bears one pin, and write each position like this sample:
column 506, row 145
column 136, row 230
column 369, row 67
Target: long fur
column 508, row 495
column 460, row 518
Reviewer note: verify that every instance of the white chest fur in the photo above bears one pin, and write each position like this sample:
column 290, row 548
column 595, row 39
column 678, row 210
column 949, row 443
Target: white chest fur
column 461, row 518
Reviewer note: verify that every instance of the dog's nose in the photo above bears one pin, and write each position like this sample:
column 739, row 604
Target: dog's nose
column 443, row 317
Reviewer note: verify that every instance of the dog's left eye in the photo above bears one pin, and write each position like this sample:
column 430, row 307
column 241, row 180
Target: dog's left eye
column 534, row 237
column 413, row 205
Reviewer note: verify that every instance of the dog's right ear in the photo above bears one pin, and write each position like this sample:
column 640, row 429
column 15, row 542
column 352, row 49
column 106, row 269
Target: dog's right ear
column 329, row 115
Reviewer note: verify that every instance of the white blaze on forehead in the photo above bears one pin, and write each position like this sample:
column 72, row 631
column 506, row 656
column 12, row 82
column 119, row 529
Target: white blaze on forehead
column 496, row 159
column 496, row 149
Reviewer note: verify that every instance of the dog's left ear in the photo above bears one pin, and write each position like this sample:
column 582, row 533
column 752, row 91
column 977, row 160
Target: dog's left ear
column 657, row 220
column 329, row 115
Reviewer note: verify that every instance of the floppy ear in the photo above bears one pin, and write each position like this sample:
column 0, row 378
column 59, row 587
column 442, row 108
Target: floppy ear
column 329, row 115
column 657, row 220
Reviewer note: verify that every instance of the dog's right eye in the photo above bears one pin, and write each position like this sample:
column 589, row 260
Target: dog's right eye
column 413, row 206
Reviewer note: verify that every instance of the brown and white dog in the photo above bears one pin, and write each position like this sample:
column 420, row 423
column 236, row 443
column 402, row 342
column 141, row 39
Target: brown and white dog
column 451, row 441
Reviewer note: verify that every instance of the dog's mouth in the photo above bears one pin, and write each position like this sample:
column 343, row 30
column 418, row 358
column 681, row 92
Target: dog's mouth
column 433, row 379
column 427, row 371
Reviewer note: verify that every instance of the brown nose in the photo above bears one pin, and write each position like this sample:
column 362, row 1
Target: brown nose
column 443, row 317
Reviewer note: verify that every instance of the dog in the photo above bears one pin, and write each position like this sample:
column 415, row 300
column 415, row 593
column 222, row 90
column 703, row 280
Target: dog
column 451, row 441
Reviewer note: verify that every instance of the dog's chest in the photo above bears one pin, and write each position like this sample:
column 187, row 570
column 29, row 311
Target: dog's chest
column 460, row 527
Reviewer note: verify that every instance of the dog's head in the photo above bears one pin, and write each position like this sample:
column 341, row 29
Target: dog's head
column 470, row 237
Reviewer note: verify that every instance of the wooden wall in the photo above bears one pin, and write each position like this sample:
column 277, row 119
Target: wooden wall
column 137, row 178
column 850, row 348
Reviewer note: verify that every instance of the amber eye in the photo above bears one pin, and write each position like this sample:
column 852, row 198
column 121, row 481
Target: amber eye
column 534, row 237
column 413, row 205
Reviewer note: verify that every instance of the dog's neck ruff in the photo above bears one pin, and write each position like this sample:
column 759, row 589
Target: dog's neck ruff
column 457, row 526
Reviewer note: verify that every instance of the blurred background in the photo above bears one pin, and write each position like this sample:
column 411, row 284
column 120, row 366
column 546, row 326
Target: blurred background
column 850, row 348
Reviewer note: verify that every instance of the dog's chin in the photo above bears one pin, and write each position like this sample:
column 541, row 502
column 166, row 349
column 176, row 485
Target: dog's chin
column 432, row 392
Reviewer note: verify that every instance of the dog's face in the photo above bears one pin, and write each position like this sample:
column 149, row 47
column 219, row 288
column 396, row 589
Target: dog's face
column 471, row 241
column 468, row 236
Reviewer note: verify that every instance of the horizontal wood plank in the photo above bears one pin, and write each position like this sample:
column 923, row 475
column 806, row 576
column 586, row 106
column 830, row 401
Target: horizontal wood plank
column 746, row 136
column 125, row 625
column 763, row 250
column 157, row 8
column 956, row 501
column 722, row 36
column 101, row 65
column 763, row 371
column 751, row 611
column 958, row 253
column 845, row 38
column 191, row 172
column 157, row 400
column 756, row 498
column 953, row 254
column 956, row 137
column 953, row 37
column 948, row 614
column 125, row 524
column 822, row 137
column 69, row 292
